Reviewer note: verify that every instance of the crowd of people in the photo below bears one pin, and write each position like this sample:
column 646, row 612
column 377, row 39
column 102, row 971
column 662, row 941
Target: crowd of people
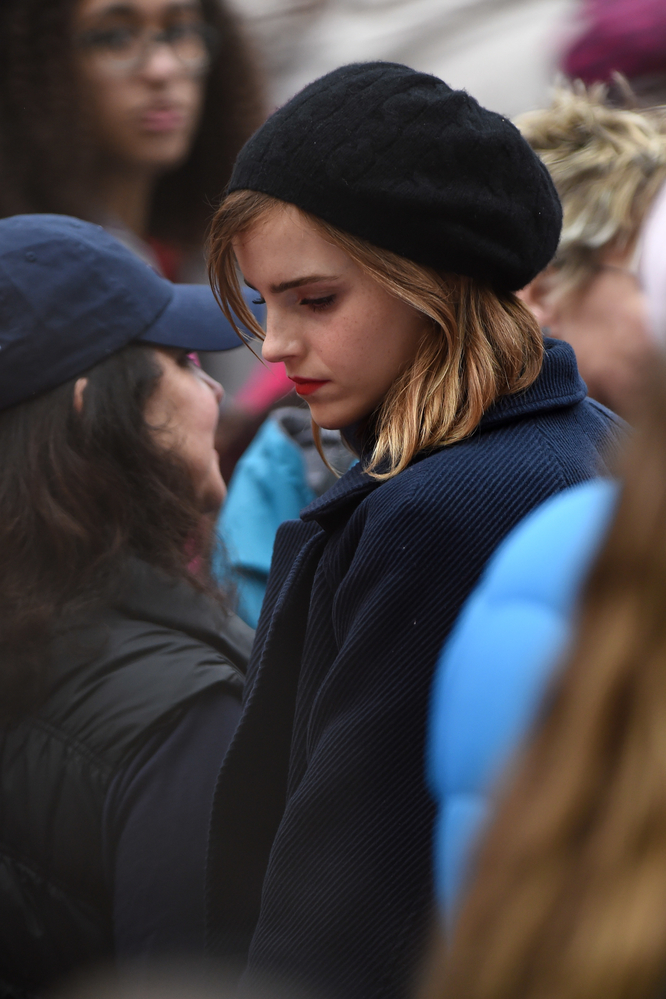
column 385, row 722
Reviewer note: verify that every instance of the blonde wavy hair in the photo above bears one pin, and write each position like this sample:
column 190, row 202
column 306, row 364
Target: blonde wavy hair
column 480, row 344
column 607, row 164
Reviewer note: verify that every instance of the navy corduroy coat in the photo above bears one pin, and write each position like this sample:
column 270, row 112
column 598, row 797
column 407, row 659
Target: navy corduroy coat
column 320, row 854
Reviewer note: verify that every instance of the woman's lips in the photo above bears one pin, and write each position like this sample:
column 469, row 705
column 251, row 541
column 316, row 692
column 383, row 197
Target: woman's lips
column 162, row 120
column 306, row 386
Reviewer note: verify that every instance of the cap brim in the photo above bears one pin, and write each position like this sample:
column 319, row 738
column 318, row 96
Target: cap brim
column 194, row 321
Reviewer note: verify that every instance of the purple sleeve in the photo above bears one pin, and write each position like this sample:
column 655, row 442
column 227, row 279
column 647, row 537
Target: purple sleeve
column 155, row 827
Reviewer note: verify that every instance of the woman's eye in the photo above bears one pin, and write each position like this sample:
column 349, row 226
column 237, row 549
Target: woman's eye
column 318, row 303
column 259, row 301
column 109, row 39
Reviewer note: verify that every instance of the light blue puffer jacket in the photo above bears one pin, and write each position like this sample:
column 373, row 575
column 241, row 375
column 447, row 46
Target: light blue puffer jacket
column 496, row 666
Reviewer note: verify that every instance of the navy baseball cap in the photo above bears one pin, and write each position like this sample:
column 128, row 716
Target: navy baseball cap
column 71, row 295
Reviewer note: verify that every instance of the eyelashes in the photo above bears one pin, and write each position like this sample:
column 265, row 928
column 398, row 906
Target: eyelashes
column 316, row 304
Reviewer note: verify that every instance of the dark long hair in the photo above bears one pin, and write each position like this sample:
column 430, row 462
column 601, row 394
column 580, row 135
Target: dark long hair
column 79, row 493
column 569, row 893
column 46, row 156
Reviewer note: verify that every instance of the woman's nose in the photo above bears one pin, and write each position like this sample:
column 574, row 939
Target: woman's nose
column 161, row 63
column 279, row 342
column 214, row 386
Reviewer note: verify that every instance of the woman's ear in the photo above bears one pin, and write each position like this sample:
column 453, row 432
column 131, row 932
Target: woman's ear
column 538, row 296
column 79, row 388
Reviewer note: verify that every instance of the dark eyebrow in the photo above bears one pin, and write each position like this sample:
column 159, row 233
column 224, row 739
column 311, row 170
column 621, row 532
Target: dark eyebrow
column 297, row 282
column 128, row 9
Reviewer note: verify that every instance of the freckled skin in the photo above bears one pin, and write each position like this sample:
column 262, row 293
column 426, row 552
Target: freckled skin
column 342, row 328
column 184, row 410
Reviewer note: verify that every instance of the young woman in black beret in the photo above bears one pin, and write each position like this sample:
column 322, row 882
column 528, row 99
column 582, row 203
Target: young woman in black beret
column 387, row 221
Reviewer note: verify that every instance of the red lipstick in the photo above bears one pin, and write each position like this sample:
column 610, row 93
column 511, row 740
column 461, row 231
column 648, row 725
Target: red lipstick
column 306, row 386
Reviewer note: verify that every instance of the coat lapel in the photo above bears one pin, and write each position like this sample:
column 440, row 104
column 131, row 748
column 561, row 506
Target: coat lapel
column 251, row 790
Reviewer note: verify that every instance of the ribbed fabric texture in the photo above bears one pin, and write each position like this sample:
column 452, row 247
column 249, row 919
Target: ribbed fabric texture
column 320, row 861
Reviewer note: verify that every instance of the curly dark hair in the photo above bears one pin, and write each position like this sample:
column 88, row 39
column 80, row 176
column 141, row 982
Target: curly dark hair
column 46, row 155
column 80, row 493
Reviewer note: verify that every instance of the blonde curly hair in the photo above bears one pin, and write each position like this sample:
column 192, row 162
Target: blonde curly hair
column 607, row 164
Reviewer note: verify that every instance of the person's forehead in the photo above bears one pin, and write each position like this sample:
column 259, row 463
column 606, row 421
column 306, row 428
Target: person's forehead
column 284, row 243
column 135, row 8
column 283, row 224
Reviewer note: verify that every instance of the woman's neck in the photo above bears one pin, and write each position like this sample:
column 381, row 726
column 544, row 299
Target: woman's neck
column 125, row 195
column 360, row 436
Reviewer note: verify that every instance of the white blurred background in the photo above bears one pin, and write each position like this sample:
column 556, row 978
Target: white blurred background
column 503, row 52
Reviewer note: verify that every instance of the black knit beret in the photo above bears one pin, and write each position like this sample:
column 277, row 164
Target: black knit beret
column 400, row 159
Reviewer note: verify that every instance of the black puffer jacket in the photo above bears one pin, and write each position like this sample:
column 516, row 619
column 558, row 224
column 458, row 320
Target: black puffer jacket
column 133, row 671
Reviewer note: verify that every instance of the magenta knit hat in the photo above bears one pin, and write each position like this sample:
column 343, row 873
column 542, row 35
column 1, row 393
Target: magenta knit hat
column 628, row 36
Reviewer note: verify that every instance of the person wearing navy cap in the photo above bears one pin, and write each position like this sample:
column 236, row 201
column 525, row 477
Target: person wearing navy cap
column 121, row 666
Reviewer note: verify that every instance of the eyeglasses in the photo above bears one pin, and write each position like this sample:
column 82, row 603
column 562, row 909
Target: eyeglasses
column 123, row 51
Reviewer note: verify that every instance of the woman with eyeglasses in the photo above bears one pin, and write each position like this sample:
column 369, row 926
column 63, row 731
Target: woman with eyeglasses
column 124, row 112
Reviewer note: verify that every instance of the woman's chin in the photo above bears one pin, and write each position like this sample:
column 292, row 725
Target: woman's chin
column 328, row 424
column 329, row 417
column 212, row 496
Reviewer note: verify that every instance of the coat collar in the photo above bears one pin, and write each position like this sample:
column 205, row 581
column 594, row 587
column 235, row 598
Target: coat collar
column 558, row 385
column 148, row 594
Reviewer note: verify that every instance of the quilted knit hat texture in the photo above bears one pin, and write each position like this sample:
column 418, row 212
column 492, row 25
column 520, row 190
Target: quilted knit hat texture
column 401, row 160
